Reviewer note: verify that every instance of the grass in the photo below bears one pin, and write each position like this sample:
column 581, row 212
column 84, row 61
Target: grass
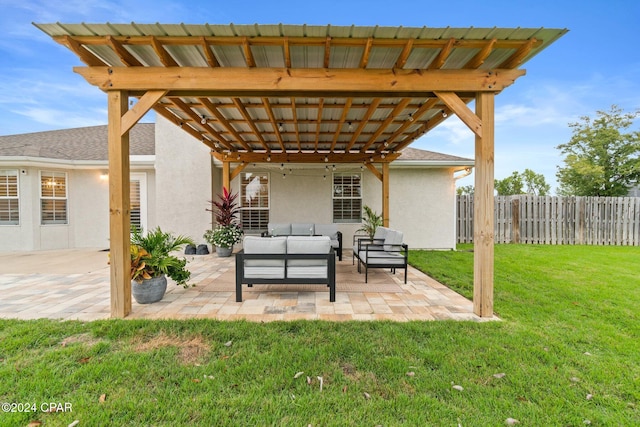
column 567, row 346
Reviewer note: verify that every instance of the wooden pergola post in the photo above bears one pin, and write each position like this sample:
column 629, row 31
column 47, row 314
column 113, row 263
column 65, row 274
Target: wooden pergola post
column 119, row 205
column 483, row 207
column 385, row 194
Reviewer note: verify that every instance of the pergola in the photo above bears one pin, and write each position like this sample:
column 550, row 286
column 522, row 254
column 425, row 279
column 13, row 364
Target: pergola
column 301, row 94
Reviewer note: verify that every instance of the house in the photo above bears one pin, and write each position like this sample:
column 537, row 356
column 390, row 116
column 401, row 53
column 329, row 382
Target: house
column 56, row 189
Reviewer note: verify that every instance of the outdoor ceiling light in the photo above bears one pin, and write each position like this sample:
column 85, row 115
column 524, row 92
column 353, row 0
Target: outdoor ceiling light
column 444, row 114
column 204, row 120
column 280, row 127
column 268, row 158
column 350, row 128
column 410, row 117
column 326, row 159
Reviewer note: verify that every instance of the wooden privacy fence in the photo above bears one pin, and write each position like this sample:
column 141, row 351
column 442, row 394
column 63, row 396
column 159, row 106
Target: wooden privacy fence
column 557, row 220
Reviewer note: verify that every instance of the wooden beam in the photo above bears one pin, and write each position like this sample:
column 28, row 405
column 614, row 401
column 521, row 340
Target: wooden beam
column 385, row 195
column 211, row 108
column 443, row 55
column 226, row 176
column 318, row 123
column 463, row 112
column 396, row 111
column 327, row 52
column 206, row 128
column 119, row 206
column 363, row 122
column 142, row 107
column 374, row 171
column 248, row 55
column 85, row 56
column 272, row 119
column 481, row 56
column 211, row 58
column 517, row 58
column 406, row 51
column 366, row 52
column 185, row 126
column 307, row 157
column 282, row 82
column 126, row 57
column 243, row 111
column 483, row 209
column 237, row 171
column 162, row 53
column 343, row 118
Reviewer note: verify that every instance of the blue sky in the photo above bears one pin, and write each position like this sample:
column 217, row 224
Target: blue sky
column 595, row 65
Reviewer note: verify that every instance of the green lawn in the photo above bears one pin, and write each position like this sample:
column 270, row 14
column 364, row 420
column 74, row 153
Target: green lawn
column 566, row 351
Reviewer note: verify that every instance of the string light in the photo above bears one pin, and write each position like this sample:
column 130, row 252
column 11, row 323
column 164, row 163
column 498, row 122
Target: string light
column 410, row 117
column 350, row 127
column 444, row 114
column 280, row 127
column 326, row 159
column 204, row 120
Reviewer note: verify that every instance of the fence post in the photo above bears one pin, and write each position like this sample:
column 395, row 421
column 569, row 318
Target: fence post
column 515, row 220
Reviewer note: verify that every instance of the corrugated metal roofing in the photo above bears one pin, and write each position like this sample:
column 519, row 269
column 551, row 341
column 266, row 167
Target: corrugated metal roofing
column 314, row 123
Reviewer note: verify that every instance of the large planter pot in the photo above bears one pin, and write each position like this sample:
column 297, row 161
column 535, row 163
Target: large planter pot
column 149, row 290
column 223, row 252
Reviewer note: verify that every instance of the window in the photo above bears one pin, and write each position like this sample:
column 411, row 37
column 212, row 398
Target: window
column 53, row 198
column 9, row 200
column 134, row 197
column 254, row 201
column 347, row 197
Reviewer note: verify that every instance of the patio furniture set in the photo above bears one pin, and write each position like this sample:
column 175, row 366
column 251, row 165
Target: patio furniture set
column 303, row 253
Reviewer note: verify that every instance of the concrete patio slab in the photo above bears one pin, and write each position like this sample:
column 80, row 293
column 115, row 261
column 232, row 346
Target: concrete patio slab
column 74, row 285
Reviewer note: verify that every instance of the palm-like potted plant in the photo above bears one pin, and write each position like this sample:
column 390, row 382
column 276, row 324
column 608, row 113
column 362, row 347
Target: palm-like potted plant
column 371, row 221
column 152, row 262
column 227, row 231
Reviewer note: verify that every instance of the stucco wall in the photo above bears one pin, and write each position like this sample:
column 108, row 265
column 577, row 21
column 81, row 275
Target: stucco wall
column 183, row 181
column 422, row 206
column 87, row 210
column 421, row 201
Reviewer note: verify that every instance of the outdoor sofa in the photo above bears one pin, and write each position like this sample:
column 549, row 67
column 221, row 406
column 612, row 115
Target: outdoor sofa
column 286, row 260
column 307, row 229
column 385, row 250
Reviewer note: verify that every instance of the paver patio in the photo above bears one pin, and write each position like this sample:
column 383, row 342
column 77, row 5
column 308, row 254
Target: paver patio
column 66, row 286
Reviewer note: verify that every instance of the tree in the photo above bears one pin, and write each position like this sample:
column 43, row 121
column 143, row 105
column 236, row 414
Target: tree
column 599, row 159
column 527, row 182
column 465, row 189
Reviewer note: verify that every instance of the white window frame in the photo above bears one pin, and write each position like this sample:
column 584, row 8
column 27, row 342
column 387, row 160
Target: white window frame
column 242, row 201
column 355, row 220
column 5, row 173
column 141, row 177
column 55, row 174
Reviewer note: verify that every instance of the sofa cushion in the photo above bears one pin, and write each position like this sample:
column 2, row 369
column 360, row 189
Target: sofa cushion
column 279, row 229
column 263, row 272
column 302, row 229
column 330, row 230
column 308, row 245
column 264, row 245
column 392, row 240
column 382, row 258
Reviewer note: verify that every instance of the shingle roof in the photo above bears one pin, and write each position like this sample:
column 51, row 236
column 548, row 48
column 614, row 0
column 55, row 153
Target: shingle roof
column 415, row 154
column 87, row 143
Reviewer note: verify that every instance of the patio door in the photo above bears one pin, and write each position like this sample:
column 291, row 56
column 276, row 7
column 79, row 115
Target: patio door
column 138, row 197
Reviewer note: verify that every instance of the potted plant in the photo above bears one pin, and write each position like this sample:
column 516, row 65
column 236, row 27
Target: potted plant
column 371, row 221
column 151, row 262
column 227, row 231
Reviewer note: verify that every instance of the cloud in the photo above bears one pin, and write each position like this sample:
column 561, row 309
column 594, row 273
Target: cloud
column 58, row 118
